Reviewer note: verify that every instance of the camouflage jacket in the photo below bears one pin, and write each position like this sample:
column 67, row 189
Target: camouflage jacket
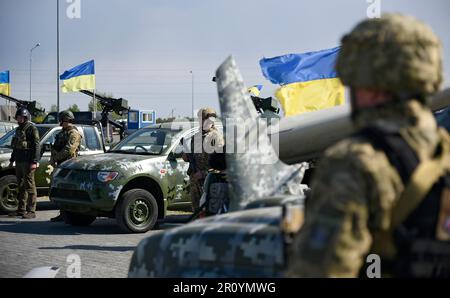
column 353, row 193
column 202, row 145
column 25, row 144
column 66, row 146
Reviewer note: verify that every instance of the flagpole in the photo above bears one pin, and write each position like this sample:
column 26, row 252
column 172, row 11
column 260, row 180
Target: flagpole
column 94, row 103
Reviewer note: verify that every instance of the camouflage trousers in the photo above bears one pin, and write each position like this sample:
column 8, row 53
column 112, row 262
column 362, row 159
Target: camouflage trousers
column 27, row 193
column 196, row 191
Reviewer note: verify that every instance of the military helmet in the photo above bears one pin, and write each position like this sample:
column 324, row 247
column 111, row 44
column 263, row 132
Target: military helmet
column 66, row 116
column 394, row 53
column 23, row 112
column 205, row 113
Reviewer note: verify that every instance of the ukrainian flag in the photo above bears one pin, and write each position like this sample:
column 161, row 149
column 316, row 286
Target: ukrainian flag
column 5, row 86
column 255, row 90
column 81, row 77
column 309, row 81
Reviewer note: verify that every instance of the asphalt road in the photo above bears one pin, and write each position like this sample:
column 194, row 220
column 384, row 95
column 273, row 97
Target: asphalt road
column 104, row 250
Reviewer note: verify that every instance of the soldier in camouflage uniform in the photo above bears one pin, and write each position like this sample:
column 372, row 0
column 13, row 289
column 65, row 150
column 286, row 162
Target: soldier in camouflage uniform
column 26, row 155
column 371, row 192
column 66, row 146
column 204, row 143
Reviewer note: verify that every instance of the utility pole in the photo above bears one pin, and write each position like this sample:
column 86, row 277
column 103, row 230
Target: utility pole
column 192, row 73
column 31, row 60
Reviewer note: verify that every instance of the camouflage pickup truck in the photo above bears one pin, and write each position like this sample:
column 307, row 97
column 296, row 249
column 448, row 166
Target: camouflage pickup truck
column 90, row 144
column 135, row 182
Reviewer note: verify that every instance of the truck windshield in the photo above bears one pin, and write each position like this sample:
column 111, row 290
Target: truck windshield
column 151, row 141
column 5, row 141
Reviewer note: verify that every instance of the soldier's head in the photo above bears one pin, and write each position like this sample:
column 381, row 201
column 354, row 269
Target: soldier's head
column 22, row 115
column 66, row 118
column 390, row 59
column 206, row 118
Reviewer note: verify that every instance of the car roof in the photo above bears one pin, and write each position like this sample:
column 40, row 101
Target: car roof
column 8, row 122
column 57, row 125
column 178, row 125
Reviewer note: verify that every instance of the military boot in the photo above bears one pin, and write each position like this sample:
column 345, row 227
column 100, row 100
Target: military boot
column 16, row 214
column 29, row 215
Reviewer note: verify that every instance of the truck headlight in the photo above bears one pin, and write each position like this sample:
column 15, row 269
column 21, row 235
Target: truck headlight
column 106, row 176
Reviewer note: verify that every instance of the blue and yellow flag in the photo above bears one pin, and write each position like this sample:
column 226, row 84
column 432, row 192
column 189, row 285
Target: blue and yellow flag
column 81, row 77
column 255, row 90
column 5, row 86
column 308, row 81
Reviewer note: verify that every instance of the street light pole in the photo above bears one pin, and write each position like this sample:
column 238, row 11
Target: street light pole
column 31, row 59
column 57, row 56
column 192, row 73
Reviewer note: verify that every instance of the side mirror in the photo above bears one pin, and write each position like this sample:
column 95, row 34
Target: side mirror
column 172, row 157
column 47, row 147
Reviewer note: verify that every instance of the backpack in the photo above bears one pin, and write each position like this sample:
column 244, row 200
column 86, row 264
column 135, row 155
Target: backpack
column 419, row 238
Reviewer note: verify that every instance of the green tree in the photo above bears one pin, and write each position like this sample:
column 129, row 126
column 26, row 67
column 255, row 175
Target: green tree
column 74, row 108
column 91, row 106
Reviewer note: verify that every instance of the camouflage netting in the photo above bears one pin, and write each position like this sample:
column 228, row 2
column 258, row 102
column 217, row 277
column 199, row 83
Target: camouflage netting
column 393, row 53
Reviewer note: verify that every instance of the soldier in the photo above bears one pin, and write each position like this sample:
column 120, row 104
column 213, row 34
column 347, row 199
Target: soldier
column 382, row 191
column 205, row 142
column 26, row 155
column 66, row 146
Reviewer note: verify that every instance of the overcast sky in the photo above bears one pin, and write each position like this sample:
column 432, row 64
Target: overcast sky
column 144, row 50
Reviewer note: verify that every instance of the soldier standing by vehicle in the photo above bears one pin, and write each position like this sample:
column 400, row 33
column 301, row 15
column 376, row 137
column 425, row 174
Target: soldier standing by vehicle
column 66, row 146
column 386, row 190
column 204, row 143
column 26, row 155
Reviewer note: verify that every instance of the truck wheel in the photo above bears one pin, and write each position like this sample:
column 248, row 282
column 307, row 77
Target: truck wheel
column 76, row 219
column 137, row 211
column 8, row 194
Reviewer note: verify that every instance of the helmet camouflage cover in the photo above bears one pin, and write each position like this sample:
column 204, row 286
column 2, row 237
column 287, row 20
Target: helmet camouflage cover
column 66, row 116
column 393, row 53
column 206, row 113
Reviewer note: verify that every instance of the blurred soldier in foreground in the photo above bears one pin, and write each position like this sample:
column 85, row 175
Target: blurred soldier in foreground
column 26, row 155
column 66, row 146
column 205, row 142
column 385, row 190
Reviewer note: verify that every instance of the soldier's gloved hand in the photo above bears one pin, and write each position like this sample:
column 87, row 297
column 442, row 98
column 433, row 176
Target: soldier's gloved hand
column 50, row 169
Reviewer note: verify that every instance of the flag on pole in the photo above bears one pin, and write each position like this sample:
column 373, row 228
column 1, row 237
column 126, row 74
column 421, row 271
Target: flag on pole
column 5, row 86
column 81, row 77
column 255, row 90
column 309, row 81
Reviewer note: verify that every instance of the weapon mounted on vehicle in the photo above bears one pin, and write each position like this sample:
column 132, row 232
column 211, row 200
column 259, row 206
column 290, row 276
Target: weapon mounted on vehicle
column 29, row 105
column 110, row 104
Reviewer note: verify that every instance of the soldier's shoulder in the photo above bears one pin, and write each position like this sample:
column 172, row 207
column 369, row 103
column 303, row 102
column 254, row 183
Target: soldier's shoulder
column 352, row 146
column 32, row 127
column 74, row 132
column 358, row 152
